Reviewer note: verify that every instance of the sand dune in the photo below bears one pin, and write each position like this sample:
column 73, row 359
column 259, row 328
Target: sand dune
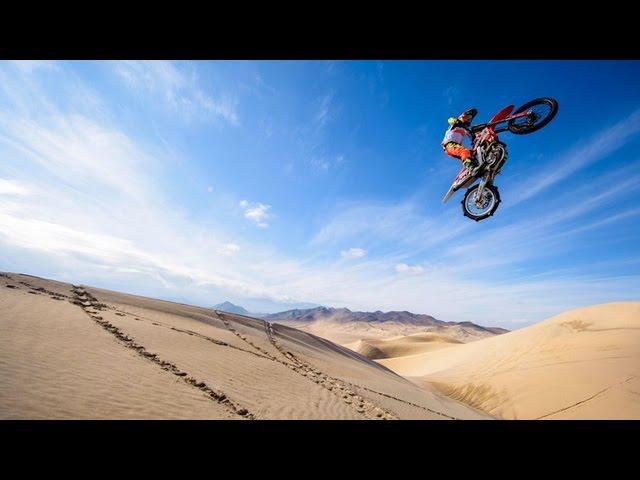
column 349, row 333
column 80, row 352
column 582, row 364
column 402, row 346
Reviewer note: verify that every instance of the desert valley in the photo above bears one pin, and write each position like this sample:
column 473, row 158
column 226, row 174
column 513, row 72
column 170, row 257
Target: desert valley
column 74, row 351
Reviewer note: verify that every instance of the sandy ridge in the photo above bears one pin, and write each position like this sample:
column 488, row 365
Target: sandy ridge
column 270, row 333
column 195, row 334
column 582, row 363
column 166, row 365
column 87, row 301
column 581, row 402
column 308, row 370
column 338, row 387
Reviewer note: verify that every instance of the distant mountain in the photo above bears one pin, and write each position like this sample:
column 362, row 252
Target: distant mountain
column 343, row 315
column 230, row 308
column 343, row 325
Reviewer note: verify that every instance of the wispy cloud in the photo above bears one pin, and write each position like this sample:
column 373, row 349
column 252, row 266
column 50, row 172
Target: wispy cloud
column 401, row 222
column 257, row 212
column 450, row 94
column 9, row 187
column 229, row 249
column 322, row 116
column 581, row 156
column 320, row 163
column 409, row 269
column 29, row 66
column 326, row 163
column 263, row 85
column 547, row 232
column 179, row 90
column 627, row 214
column 94, row 201
column 324, row 113
column 353, row 253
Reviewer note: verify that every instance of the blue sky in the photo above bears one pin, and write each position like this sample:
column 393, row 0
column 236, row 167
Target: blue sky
column 283, row 184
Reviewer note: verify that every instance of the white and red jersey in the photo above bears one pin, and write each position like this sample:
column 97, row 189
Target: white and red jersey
column 455, row 134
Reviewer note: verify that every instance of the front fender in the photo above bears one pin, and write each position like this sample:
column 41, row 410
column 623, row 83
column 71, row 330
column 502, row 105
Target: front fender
column 455, row 187
column 451, row 191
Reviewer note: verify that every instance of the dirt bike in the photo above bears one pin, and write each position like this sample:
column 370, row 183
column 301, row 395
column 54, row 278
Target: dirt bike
column 482, row 200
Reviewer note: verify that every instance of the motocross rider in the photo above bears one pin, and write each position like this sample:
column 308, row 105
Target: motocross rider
column 454, row 137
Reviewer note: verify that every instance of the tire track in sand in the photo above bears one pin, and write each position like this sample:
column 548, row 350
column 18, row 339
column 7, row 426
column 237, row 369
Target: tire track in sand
column 290, row 356
column 86, row 301
column 188, row 332
column 581, row 402
column 36, row 290
column 307, row 367
column 337, row 387
column 262, row 353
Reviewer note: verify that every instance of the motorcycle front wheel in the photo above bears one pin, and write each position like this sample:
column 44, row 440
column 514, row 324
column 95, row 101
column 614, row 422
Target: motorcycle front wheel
column 540, row 112
column 480, row 208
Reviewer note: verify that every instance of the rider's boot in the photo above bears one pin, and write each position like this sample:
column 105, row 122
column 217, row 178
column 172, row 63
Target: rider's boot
column 469, row 164
column 472, row 165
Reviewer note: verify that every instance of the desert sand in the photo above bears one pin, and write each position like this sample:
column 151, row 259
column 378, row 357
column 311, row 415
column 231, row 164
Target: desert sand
column 582, row 364
column 76, row 352
column 403, row 345
column 349, row 333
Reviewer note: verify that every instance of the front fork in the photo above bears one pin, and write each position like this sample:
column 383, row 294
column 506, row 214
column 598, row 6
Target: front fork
column 478, row 194
column 490, row 175
column 486, row 180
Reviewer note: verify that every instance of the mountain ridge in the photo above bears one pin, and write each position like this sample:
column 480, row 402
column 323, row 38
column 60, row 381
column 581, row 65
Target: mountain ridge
column 343, row 315
column 343, row 325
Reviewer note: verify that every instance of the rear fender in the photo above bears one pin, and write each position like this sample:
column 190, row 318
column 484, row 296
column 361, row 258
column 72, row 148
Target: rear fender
column 502, row 114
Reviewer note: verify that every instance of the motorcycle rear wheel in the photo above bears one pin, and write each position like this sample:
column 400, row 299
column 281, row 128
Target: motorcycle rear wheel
column 486, row 208
column 542, row 110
